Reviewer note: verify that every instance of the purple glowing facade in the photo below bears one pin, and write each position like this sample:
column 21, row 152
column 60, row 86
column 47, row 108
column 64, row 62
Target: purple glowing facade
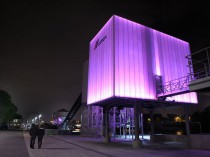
column 125, row 57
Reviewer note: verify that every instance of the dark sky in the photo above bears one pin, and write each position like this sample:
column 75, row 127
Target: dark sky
column 43, row 44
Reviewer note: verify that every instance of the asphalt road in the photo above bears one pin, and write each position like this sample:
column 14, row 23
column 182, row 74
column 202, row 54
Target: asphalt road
column 12, row 144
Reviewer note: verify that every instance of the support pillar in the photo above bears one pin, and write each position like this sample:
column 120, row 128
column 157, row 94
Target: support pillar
column 120, row 124
column 142, row 126
column 90, row 116
column 137, row 142
column 106, row 124
column 187, row 125
column 132, row 128
column 125, row 126
column 114, row 120
column 142, row 122
column 152, row 133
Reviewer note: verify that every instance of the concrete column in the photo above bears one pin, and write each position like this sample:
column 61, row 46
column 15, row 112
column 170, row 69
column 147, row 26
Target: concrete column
column 106, row 124
column 120, row 124
column 142, row 121
column 137, row 142
column 152, row 133
column 114, row 120
column 187, row 125
column 132, row 127
column 142, row 126
column 90, row 116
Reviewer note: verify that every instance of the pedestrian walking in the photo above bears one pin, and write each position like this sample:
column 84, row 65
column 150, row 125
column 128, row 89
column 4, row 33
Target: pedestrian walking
column 40, row 135
column 33, row 132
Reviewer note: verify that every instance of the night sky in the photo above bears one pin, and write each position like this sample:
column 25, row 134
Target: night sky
column 43, row 44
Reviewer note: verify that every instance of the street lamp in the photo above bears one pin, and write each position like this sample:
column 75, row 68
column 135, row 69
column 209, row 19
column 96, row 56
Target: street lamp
column 40, row 118
column 35, row 120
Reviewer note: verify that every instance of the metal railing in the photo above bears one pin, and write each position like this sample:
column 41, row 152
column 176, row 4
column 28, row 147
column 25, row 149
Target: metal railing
column 199, row 67
column 72, row 111
column 199, row 63
column 174, row 86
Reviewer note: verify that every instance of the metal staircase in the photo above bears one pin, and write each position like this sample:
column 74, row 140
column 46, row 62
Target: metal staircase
column 72, row 112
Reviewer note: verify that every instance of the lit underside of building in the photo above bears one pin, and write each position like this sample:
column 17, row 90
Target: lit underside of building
column 133, row 67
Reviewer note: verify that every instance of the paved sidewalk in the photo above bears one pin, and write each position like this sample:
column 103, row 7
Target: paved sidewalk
column 12, row 144
column 77, row 146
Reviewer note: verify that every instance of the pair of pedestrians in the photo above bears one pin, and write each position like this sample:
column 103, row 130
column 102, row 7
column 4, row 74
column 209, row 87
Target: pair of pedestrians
column 36, row 131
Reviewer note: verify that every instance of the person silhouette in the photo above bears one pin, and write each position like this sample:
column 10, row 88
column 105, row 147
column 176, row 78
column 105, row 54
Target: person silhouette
column 32, row 132
column 40, row 135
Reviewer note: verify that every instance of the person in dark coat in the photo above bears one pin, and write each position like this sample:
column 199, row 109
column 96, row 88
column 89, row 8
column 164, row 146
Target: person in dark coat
column 40, row 134
column 33, row 132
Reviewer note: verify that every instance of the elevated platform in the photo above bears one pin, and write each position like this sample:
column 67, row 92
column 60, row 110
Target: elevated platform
column 202, row 84
column 174, row 87
column 199, row 67
column 147, row 104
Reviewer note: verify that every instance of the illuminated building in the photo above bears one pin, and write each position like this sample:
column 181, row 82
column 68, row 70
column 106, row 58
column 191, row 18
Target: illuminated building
column 131, row 68
column 125, row 58
column 134, row 68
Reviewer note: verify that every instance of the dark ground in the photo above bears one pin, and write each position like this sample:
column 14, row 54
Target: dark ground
column 12, row 144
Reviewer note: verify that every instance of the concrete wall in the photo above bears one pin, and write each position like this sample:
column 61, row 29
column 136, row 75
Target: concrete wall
column 196, row 141
column 175, row 138
column 51, row 131
column 200, row 141
column 200, row 84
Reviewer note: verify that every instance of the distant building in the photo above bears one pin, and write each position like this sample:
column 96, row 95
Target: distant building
column 17, row 122
column 59, row 116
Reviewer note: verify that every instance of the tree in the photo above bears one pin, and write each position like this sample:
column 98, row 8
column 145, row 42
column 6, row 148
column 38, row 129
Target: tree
column 7, row 108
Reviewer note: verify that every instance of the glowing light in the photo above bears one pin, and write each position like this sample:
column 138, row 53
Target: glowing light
column 178, row 119
column 129, row 56
column 179, row 133
column 78, row 125
column 100, row 79
column 60, row 119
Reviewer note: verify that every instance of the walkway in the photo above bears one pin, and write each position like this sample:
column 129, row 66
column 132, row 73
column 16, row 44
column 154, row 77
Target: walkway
column 12, row 144
column 77, row 146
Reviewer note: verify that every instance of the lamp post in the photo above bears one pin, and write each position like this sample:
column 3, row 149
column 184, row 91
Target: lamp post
column 32, row 120
column 35, row 120
column 40, row 118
